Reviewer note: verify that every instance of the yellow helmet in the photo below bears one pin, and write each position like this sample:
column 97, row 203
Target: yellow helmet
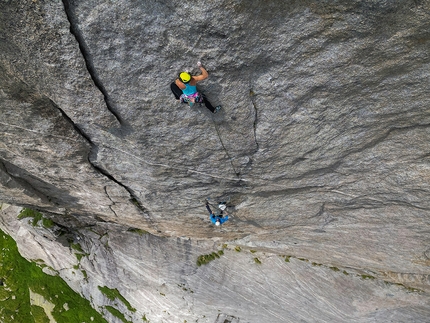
column 185, row 77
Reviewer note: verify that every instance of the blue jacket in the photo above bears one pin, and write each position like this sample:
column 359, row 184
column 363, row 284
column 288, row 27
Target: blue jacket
column 221, row 219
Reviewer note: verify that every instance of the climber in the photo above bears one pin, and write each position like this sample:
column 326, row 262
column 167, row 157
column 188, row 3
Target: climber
column 217, row 219
column 184, row 89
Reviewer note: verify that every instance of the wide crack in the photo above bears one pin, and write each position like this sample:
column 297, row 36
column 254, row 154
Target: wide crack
column 76, row 32
column 252, row 94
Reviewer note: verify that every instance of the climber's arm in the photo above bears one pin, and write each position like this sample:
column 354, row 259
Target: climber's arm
column 202, row 76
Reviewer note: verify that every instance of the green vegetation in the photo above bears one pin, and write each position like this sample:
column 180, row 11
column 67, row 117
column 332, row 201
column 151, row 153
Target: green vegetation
column 80, row 253
column 257, row 261
column 238, row 249
column 47, row 223
column 19, row 276
column 77, row 247
column 252, row 251
column 363, row 276
column 36, row 216
column 138, row 231
column 112, row 294
column 144, row 318
column 39, row 314
column 205, row 259
column 29, row 213
column 117, row 314
column 413, row 290
column 79, row 256
column 137, row 203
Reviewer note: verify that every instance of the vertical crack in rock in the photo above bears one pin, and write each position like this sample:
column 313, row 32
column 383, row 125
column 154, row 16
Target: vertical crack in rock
column 225, row 149
column 100, row 170
column 251, row 94
column 113, row 203
column 75, row 31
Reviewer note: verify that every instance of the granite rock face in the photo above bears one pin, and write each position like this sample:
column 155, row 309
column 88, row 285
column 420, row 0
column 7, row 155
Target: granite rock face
column 321, row 148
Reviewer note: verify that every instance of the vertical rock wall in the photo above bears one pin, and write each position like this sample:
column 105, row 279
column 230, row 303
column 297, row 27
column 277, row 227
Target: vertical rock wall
column 322, row 146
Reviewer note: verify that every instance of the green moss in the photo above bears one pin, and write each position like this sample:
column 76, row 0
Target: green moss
column 80, row 253
column 112, row 294
column 47, row 223
column 287, row 258
column 138, row 231
column 117, row 314
column 334, row 268
column 252, row 251
column 345, row 272
column 137, row 204
column 20, row 275
column 77, row 247
column 303, row 259
column 36, row 216
column 367, row 277
column 414, row 290
column 29, row 213
column 205, row 259
column 257, row 261
column 224, row 246
column 238, row 249
column 144, row 318
column 39, row 314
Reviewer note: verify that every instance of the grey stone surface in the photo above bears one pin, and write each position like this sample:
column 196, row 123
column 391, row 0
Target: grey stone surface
column 322, row 146
column 160, row 278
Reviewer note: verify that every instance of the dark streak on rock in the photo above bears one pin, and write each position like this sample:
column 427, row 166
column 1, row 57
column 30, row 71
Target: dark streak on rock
column 251, row 94
column 287, row 191
column 22, row 182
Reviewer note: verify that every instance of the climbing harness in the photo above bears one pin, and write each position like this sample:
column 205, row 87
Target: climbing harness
column 191, row 99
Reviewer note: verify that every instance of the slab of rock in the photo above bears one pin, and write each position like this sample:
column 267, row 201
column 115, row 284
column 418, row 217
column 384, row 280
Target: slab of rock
column 322, row 145
column 161, row 279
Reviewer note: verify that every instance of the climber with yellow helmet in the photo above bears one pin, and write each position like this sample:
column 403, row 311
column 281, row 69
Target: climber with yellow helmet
column 187, row 84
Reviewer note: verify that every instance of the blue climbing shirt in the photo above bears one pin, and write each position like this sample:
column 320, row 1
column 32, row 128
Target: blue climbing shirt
column 189, row 89
column 216, row 217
